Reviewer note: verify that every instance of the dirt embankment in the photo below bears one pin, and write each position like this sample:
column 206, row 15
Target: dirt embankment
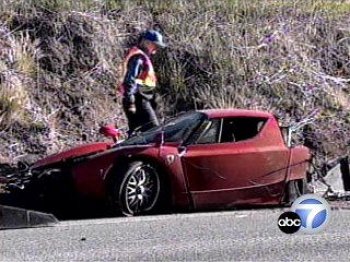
column 59, row 67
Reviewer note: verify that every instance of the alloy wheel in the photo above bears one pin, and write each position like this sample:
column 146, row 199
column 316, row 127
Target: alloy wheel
column 141, row 190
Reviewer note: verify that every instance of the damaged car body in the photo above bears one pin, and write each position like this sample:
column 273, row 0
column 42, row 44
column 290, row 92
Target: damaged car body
column 209, row 159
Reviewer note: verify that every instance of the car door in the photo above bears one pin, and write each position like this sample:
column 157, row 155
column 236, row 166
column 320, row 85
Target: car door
column 228, row 165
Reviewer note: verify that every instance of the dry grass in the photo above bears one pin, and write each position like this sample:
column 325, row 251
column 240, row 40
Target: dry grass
column 287, row 57
column 13, row 99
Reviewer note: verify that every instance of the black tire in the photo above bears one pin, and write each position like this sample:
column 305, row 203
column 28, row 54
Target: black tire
column 59, row 195
column 138, row 189
column 311, row 170
column 295, row 189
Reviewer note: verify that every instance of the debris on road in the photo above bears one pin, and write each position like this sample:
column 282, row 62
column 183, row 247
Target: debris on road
column 12, row 217
column 333, row 182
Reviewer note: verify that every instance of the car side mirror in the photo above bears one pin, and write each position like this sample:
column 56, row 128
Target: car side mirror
column 182, row 150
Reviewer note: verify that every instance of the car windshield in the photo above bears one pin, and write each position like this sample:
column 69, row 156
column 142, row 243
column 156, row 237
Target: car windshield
column 175, row 130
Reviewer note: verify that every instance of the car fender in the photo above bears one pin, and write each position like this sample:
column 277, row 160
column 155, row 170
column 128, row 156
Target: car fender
column 79, row 151
column 93, row 176
column 167, row 160
column 299, row 162
column 90, row 173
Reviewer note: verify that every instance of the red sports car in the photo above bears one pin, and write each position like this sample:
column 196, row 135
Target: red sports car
column 210, row 159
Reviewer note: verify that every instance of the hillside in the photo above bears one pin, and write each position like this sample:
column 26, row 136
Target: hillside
column 59, row 66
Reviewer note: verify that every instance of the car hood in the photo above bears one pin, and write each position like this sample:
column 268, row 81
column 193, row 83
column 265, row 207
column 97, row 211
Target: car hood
column 78, row 151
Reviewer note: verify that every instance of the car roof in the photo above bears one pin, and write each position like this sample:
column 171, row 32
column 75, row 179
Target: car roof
column 232, row 112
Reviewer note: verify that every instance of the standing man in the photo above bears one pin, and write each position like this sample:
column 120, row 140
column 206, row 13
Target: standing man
column 139, row 82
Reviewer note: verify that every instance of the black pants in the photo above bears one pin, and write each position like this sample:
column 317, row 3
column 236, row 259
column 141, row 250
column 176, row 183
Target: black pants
column 145, row 116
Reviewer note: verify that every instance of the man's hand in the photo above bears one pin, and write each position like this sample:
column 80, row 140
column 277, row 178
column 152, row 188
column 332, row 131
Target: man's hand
column 132, row 108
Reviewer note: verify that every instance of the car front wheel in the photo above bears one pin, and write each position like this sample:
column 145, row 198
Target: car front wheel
column 140, row 189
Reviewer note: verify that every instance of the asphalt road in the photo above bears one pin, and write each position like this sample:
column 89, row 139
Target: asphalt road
column 234, row 235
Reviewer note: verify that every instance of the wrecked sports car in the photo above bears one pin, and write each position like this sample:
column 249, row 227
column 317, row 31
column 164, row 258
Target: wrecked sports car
column 210, row 159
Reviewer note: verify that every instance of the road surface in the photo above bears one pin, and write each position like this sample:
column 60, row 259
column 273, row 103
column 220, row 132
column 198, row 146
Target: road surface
column 232, row 235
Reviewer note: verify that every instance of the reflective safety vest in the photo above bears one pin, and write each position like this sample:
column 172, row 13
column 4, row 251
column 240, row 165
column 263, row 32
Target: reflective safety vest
column 147, row 78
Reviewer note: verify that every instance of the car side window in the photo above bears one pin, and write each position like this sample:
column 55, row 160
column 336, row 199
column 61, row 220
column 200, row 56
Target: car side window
column 228, row 131
column 240, row 128
column 211, row 132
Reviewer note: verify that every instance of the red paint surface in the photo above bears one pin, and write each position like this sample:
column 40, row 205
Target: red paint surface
column 75, row 152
